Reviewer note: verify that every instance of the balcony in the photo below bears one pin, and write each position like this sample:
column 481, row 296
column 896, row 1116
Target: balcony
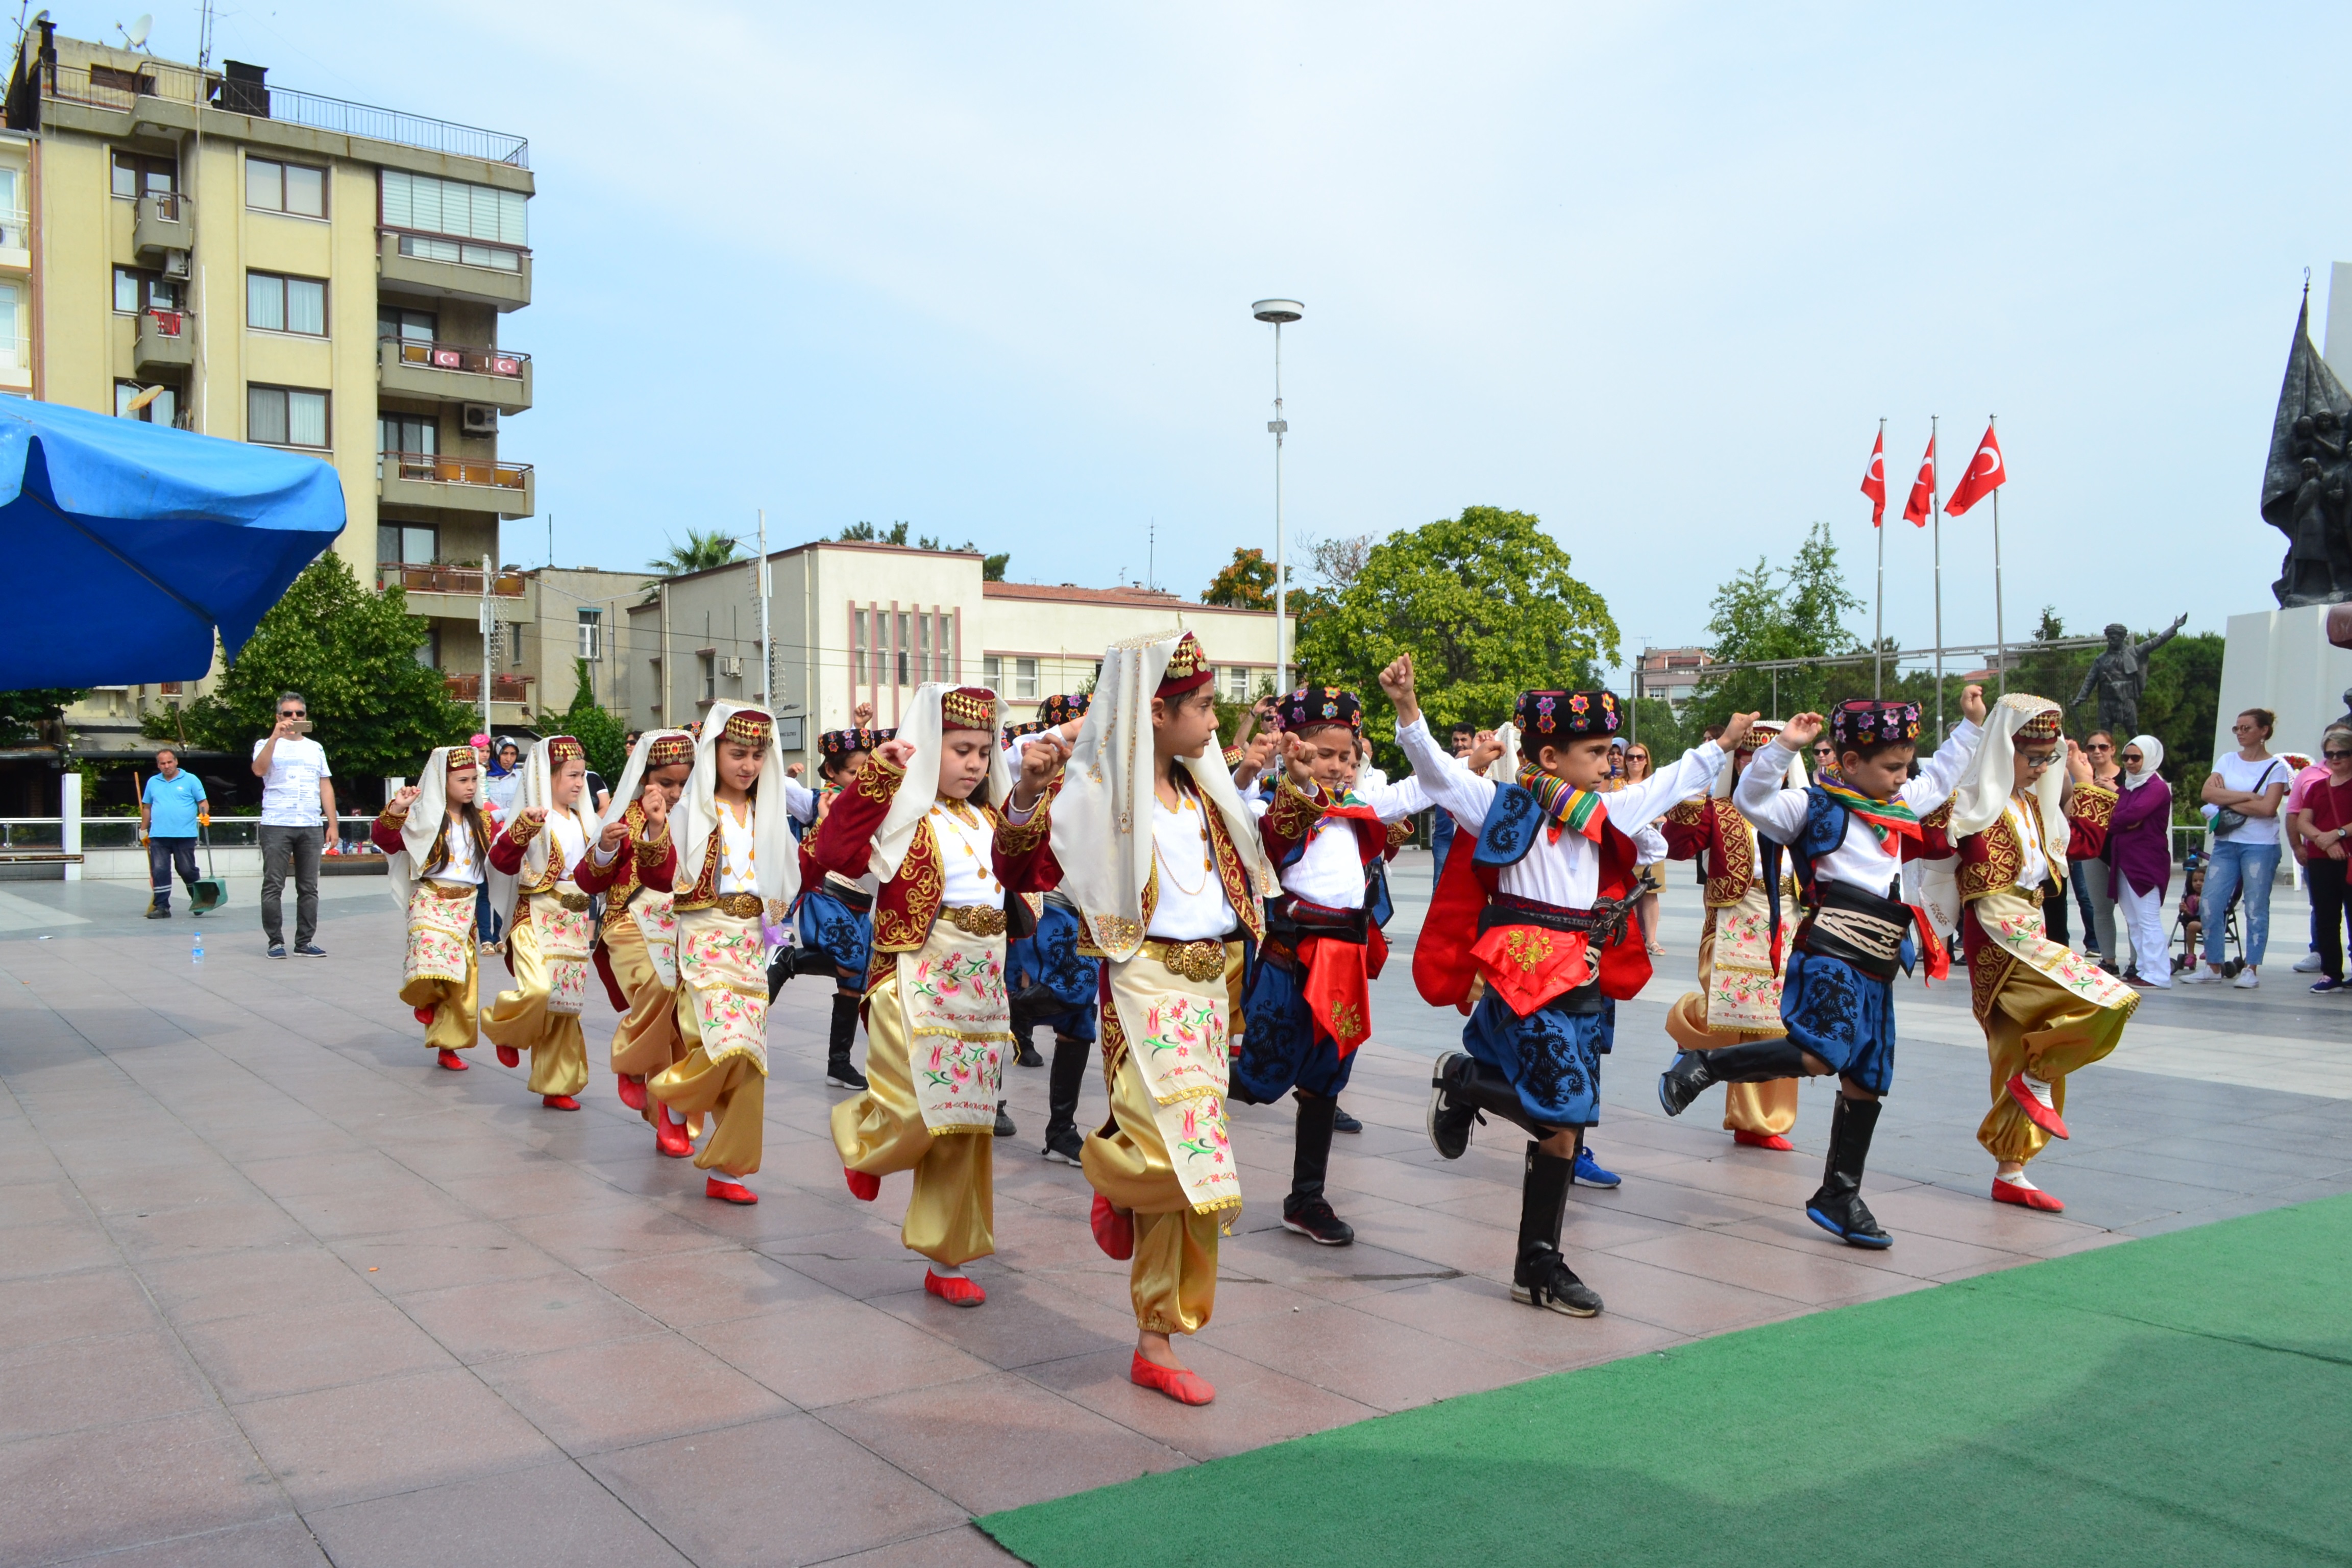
column 465, row 581
column 460, row 484
column 444, row 269
column 454, row 372
column 15, row 241
column 162, row 224
column 503, row 688
column 165, row 342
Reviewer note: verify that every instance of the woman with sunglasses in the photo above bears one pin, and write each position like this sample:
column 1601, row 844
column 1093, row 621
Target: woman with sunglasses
column 2093, row 895
column 2326, row 822
column 1652, row 874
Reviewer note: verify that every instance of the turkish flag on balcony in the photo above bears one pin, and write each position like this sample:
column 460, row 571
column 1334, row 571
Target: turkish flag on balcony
column 1923, row 489
column 1873, row 481
column 1986, row 473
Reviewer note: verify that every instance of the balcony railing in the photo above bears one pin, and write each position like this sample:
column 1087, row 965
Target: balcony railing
column 458, row 252
column 167, row 323
column 465, row 580
column 105, row 87
column 459, row 356
column 503, row 688
column 426, row 467
column 16, row 230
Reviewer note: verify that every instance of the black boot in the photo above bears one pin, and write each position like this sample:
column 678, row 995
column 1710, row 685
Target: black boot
column 1024, row 1049
column 1062, row 1084
column 1542, row 1278
column 1838, row 1207
column 837, row 1070
column 1759, row 1061
column 1004, row 1128
column 1305, row 1210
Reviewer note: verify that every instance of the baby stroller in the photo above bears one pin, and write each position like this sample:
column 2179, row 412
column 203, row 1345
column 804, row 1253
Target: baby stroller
column 2192, row 909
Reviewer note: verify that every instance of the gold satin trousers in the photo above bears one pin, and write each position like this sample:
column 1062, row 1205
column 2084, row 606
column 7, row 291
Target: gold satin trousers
column 647, row 1039
column 881, row 1132
column 1173, row 1277
column 519, row 1020
column 454, row 1006
column 2040, row 1028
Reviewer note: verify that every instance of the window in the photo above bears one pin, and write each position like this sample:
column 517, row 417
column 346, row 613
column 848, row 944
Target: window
column 1025, row 678
column 857, row 648
column 592, row 634
column 276, row 304
column 516, row 634
column 285, row 416
column 1237, row 682
column 406, row 433
column 138, row 174
column 408, row 326
column 949, row 668
column 419, row 543
column 163, row 408
column 991, row 672
column 273, row 187
column 707, row 661
column 11, row 347
column 922, row 647
column 424, row 205
column 136, row 291
column 905, row 627
column 429, row 652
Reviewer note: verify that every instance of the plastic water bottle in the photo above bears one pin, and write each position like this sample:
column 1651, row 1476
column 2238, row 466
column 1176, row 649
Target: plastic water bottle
column 197, row 954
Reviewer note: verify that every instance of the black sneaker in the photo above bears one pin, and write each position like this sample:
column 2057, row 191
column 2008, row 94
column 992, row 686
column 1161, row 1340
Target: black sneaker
column 1314, row 1220
column 158, row 914
column 841, row 1075
column 1343, row 1122
column 277, row 950
column 1026, row 1055
column 1449, row 1122
column 1064, row 1145
column 1004, row 1128
column 1545, row 1280
column 310, row 950
column 1847, row 1218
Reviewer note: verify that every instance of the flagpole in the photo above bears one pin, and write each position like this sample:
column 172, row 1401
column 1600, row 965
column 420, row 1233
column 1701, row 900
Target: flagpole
column 1935, row 513
column 1999, row 637
column 1878, row 615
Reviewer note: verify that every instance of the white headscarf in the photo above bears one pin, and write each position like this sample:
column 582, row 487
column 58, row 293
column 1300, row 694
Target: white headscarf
column 923, row 727
column 633, row 777
column 537, row 790
column 1981, row 798
column 425, row 815
column 2151, row 757
column 776, row 856
column 1102, row 819
column 1505, row 769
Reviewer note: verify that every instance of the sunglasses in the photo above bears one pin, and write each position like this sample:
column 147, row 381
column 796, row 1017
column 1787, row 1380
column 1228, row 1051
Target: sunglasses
column 2338, row 756
column 292, row 713
column 2131, row 756
column 2098, row 746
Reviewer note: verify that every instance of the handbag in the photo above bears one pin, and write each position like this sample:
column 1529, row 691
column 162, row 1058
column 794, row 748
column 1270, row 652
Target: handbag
column 2226, row 821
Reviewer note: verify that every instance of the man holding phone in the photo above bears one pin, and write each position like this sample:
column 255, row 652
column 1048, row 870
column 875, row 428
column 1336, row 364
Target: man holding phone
column 298, row 818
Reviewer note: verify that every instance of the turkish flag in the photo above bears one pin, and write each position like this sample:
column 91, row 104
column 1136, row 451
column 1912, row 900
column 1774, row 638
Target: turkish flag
column 1874, row 482
column 1986, row 473
column 1923, row 489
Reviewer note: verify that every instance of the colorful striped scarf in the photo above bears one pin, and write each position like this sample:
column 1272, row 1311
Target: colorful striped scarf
column 1566, row 806
column 1889, row 819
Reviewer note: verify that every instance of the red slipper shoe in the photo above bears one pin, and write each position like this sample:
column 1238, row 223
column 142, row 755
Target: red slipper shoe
column 670, row 1137
column 955, row 1291
column 633, row 1091
column 729, row 1191
column 558, row 1102
column 508, row 1056
column 2043, row 1116
column 862, row 1187
column 1761, row 1141
column 2025, row 1197
column 452, row 1060
column 424, row 1016
column 1183, row 1387
column 1114, row 1230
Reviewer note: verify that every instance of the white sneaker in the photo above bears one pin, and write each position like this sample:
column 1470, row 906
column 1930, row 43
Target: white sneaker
column 2307, row 964
column 2209, row 975
column 2246, row 980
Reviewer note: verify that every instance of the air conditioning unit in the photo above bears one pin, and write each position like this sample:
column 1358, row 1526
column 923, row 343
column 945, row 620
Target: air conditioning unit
column 480, row 419
column 731, row 664
column 175, row 265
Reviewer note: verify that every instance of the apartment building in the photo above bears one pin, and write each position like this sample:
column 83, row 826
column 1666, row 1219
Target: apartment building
column 852, row 621
column 1673, row 673
column 202, row 248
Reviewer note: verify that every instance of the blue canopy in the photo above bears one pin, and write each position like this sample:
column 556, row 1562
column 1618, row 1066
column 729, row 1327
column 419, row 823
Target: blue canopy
column 134, row 542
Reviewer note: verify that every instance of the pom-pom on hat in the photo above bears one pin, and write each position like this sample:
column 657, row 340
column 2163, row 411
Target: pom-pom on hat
column 1061, row 709
column 1548, row 716
column 1188, row 668
column 1312, row 707
column 968, row 708
column 1862, row 721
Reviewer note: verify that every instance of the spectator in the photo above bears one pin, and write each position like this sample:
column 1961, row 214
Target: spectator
column 2252, row 784
column 2139, row 847
column 1441, row 827
column 2306, row 773
column 2093, row 892
column 2324, row 822
column 1824, row 759
column 168, row 811
column 1651, row 874
column 298, row 817
column 499, row 783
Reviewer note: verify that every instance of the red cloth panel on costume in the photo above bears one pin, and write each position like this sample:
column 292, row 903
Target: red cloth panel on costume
column 1527, row 966
column 1335, row 990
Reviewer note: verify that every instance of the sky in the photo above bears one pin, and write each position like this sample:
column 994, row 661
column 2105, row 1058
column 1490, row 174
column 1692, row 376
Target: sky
column 1653, row 273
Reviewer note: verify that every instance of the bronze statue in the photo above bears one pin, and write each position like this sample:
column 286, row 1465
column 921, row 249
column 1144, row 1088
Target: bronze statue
column 2308, row 481
column 2120, row 674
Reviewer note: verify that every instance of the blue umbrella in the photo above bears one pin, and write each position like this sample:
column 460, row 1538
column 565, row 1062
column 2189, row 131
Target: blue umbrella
column 133, row 542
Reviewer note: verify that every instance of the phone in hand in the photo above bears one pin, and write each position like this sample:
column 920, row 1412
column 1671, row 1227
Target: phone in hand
column 300, row 726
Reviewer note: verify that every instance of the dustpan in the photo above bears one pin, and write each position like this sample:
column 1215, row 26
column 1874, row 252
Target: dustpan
column 209, row 892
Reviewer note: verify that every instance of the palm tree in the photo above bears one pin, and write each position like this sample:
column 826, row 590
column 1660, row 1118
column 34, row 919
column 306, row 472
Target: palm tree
column 700, row 552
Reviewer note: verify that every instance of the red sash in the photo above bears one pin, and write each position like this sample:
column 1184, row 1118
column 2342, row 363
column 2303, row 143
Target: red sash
column 1334, row 989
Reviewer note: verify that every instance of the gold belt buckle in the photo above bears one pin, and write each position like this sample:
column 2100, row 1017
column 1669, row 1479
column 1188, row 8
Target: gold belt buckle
column 743, row 906
column 451, row 889
column 979, row 919
column 575, row 902
column 1197, row 960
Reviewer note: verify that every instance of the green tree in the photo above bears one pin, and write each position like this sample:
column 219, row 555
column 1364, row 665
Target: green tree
column 1247, row 582
column 992, row 567
column 862, row 532
column 1760, row 614
column 23, row 712
column 600, row 732
column 353, row 656
column 1484, row 603
column 700, row 552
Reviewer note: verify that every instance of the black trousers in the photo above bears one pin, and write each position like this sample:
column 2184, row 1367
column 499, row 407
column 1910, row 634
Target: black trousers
column 163, row 855
column 2325, row 879
column 2053, row 914
column 295, row 850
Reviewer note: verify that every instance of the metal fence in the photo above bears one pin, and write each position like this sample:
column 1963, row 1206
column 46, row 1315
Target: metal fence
column 47, row 833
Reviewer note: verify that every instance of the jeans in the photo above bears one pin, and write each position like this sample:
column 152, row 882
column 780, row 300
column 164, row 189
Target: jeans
column 301, row 847
column 1441, row 839
column 2097, row 902
column 2245, row 869
column 163, row 856
column 487, row 925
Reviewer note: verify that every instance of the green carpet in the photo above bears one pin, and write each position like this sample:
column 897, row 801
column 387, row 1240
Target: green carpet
column 2181, row 1400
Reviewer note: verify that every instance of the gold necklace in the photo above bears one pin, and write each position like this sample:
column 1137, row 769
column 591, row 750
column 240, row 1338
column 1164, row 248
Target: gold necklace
column 987, row 872
column 1208, row 866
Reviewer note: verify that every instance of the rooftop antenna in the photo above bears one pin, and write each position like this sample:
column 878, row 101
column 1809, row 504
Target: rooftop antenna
column 205, row 40
column 136, row 34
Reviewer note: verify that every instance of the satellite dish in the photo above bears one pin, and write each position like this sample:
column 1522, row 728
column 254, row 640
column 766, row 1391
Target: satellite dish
column 137, row 32
column 144, row 399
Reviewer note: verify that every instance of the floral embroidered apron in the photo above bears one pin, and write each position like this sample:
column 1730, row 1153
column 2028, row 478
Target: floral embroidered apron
column 565, row 942
column 440, row 931
column 1174, row 1028
column 959, row 1021
column 721, row 974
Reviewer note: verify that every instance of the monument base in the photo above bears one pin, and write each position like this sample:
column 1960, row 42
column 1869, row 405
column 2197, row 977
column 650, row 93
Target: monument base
column 2281, row 660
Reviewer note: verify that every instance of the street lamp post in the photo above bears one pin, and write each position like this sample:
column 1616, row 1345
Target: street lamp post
column 1279, row 312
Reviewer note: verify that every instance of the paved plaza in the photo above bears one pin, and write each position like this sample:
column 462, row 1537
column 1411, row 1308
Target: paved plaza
column 274, row 1289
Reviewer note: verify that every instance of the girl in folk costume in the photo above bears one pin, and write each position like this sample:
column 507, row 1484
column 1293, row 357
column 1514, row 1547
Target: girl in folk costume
column 2012, row 824
column 1163, row 858
column 1541, row 912
column 836, row 913
column 937, row 1021
column 440, row 845
column 1051, row 981
column 1850, row 837
column 1739, row 997
column 1308, row 1000
column 537, row 860
column 633, row 866
column 738, row 870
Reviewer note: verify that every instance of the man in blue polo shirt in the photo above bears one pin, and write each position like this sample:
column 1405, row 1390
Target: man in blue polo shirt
column 168, row 809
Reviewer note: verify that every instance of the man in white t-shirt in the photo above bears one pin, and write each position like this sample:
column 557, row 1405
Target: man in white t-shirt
column 298, row 818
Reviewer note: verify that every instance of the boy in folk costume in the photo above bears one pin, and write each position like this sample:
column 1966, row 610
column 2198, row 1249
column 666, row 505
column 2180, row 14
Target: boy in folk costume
column 440, row 845
column 836, row 913
column 537, row 861
column 737, row 871
column 1738, row 996
column 1161, row 854
column 1308, row 1000
column 634, row 865
column 1850, row 837
column 2023, row 809
column 1541, row 912
column 1052, row 981
column 936, row 1020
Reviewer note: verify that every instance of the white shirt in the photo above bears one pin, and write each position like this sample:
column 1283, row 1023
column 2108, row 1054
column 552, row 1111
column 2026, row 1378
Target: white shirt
column 289, row 791
column 2036, row 868
column 1195, row 907
column 1861, row 860
column 738, row 863
column 1563, row 871
column 459, row 840
column 2251, row 778
column 1330, row 869
column 968, row 854
column 800, row 801
column 567, row 842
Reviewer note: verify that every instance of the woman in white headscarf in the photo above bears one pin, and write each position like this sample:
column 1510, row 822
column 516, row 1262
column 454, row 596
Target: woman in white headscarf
column 440, row 844
column 536, row 862
column 633, row 865
column 2139, row 850
column 2023, row 806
